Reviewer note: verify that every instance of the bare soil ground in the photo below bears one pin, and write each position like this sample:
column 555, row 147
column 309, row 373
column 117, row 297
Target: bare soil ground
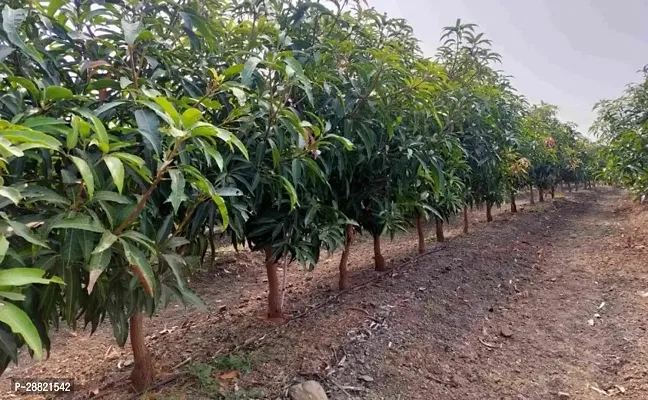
column 547, row 303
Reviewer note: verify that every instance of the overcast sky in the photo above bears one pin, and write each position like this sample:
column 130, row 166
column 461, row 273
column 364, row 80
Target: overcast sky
column 570, row 53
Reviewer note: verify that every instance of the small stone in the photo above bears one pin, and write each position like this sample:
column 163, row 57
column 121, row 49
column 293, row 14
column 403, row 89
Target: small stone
column 563, row 395
column 222, row 308
column 590, row 322
column 309, row 390
column 506, row 332
column 128, row 363
column 597, row 315
column 366, row 378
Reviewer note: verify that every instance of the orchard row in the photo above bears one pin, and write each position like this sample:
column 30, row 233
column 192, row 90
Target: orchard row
column 132, row 133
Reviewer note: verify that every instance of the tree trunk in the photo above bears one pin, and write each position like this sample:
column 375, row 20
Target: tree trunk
column 465, row 218
column 143, row 374
column 553, row 192
column 275, row 310
column 531, row 191
column 379, row 260
column 344, row 273
column 513, row 205
column 439, row 229
column 489, row 215
column 576, row 186
column 569, row 188
column 421, row 235
column 540, row 194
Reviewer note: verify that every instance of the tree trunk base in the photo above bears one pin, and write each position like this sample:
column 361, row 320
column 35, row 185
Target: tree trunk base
column 531, row 192
column 421, row 235
column 513, row 205
column 143, row 373
column 379, row 260
column 540, row 195
column 343, row 283
column 439, row 230
column 489, row 214
column 275, row 309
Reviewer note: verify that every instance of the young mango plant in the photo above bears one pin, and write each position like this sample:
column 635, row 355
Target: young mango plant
column 285, row 182
column 100, row 170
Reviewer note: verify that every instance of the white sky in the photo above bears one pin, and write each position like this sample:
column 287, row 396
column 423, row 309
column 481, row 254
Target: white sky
column 570, row 53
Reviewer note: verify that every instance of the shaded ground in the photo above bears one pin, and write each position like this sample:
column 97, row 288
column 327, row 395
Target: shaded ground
column 544, row 302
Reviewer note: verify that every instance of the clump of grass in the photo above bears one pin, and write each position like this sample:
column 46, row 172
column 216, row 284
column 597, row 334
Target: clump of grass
column 233, row 362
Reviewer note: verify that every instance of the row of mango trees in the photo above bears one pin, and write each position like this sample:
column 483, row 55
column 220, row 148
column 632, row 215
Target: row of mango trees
column 621, row 127
column 133, row 132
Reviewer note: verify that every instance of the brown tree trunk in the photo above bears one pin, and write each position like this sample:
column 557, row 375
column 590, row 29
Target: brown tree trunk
column 513, row 205
column 465, row 220
column 344, row 273
column 379, row 260
column 576, row 186
column 531, row 191
column 439, row 229
column 275, row 310
column 143, row 374
column 489, row 215
column 421, row 235
column 540, row 194
column 553, row 192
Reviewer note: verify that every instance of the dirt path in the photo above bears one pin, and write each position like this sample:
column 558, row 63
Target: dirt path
column 503, row 313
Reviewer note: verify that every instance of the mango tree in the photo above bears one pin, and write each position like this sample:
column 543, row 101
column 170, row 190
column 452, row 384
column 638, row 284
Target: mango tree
column 105, row 129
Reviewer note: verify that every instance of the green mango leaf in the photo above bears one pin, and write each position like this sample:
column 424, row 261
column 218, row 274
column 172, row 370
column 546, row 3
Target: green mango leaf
column 18, row 134
column 54, row 6
column 348, row 145
column 222, row 209
column 229, row 137
column 10, row 193
column 33, row 193
column 25, row 276
column 168, row 108
column 11, row 22
column 131, row 30
column 177, row 189
column 56, row 93
column 82, row 222
column 148, row 125
column 248, row 70
column 116, row 169
column 19, row 323
column 27, row 84
column 107, row 240
column 24, row 232
column 141, row 266
column 97, row 265
column 86, row 174
column 99, row 128
column 190, row 117
column 292, row 193
column 178, row 265
column 4, row 246
column 5, row 51
column 112, row 197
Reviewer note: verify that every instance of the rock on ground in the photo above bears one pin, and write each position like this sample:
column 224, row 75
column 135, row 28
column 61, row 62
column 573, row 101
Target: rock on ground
column 309, row 390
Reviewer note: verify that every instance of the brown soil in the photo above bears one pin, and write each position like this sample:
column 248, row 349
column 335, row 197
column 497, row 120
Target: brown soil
column 541, row 304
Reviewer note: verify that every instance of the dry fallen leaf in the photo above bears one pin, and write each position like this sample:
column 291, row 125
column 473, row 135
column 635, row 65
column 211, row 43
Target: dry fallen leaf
column 229, row 375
